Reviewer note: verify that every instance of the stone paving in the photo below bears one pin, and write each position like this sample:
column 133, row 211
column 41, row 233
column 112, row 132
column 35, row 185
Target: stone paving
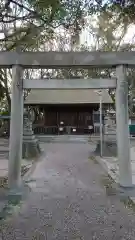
column 111, row 164
column 68, row 200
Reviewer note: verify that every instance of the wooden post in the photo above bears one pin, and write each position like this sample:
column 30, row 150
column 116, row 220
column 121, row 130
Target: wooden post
column 125, row 173
column 16, row 129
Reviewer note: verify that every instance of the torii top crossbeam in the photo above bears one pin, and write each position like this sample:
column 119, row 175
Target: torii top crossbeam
column 66, row 59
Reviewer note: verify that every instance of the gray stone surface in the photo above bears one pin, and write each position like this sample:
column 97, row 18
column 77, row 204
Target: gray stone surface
column 67, row 59
column 68, row 201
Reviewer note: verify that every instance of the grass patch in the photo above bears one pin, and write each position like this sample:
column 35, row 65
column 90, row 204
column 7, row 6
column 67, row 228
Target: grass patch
column 108, row 183
column 111, row 189
column 93, row 158
column 9, row 209
column 4, row 180
column 128, row 203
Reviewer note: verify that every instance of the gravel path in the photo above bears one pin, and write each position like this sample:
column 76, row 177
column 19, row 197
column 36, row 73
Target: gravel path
column 68, row 201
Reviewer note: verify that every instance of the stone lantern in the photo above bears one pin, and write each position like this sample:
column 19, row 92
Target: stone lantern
column 31, row 147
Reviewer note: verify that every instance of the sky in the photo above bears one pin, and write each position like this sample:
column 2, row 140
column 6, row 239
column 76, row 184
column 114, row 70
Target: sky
column 130, row 34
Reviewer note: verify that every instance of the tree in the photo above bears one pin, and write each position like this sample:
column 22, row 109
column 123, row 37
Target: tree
column 31, row 24
column 108, row 33
column 123, row 8
column 39, row 25
column 38, row 15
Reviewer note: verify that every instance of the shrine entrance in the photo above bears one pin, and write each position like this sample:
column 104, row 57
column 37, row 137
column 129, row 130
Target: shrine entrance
column 64, row 119
column 21, row 60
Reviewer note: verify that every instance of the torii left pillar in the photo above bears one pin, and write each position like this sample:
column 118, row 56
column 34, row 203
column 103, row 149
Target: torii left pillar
column 16, row 130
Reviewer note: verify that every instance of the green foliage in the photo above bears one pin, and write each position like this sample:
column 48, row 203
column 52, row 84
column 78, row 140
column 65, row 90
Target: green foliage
column 124, row 9
column 30, row 20
column 30, row 24
column 109, row 34
column 4, row 113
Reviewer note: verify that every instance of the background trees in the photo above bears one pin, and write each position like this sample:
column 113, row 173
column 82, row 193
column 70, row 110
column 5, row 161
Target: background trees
column 112, row 34
column 33, row 24
column 61, row 25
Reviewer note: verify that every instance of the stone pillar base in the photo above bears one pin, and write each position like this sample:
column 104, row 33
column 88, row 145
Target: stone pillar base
column 31, row 149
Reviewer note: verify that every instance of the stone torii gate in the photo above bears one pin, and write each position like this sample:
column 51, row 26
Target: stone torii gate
column 22, row 60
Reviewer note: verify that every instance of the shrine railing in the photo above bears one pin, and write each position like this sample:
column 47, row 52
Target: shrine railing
column 41, row 130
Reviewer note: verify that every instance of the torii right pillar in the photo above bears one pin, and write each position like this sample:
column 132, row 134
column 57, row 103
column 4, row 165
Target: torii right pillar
column 122, row 120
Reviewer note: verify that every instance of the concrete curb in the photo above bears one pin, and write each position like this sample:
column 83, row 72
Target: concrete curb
column 105, row 167
column 128, row 191
column 26, row 176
